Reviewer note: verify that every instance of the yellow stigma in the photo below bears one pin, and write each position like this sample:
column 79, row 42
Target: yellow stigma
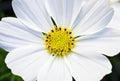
column 59, row 41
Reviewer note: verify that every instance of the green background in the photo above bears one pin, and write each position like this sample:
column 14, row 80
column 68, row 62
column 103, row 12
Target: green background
column 5, row 73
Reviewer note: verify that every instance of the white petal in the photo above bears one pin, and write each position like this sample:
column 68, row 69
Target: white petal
column 105, row 42
column 114, row 1
column 115, row 22
column 63, row 11
column 94, row 16
column 88, row 68
column 14, row 34
column 32, row 12
column 26, row 61
column 54, row 70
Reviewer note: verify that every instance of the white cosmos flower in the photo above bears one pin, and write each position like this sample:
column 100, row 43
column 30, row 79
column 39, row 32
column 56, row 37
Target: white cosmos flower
column 74, row 46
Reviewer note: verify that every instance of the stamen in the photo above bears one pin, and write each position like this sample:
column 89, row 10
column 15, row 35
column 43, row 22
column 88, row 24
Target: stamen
column 59, row 41
column 52, row 30
column 70, row 32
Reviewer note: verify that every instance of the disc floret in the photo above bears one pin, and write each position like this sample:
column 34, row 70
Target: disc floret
column 59, row 41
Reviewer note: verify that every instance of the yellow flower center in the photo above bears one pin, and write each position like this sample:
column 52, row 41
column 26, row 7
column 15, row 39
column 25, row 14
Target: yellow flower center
column 59, row 41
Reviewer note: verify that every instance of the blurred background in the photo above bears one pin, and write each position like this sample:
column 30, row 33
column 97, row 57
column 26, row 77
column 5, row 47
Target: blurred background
column 5, row 73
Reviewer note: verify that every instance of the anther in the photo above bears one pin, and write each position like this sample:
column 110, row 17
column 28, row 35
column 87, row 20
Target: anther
column 62, row 50
column 70, row 37
column 69, row 49
column 60, row 28
column 72, row 44
column 66, row 32
column 65, row 29
column 52, row 30
column 49, row 35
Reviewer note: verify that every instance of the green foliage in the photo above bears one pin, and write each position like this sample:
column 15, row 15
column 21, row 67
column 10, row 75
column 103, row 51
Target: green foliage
column 1, row 15
column 5, row 73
